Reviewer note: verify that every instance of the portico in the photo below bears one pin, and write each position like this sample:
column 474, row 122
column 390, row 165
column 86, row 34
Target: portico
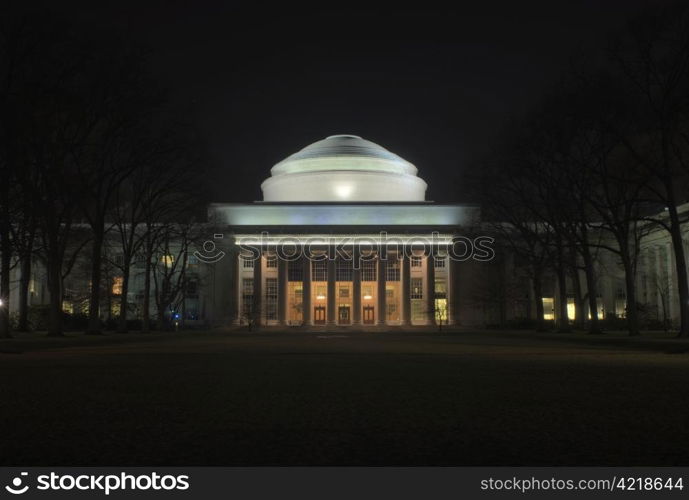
column 340, row 257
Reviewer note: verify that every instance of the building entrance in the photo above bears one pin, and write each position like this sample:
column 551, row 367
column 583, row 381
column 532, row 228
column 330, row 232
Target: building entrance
column 343, row 316
column 319, row 315
column 369, row 315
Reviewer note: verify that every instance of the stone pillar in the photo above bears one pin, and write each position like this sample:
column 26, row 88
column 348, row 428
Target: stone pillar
column 406, row 289
column 382, row 261
column 430, row 286
column 256, row 311
column 331, row 314
column 356, row 286
column 306, row 291
column 282, row 289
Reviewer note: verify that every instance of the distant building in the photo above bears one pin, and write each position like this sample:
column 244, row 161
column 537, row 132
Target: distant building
column 344, row 236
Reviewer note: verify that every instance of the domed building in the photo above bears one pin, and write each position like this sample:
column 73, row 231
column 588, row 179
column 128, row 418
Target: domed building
column 344, row 236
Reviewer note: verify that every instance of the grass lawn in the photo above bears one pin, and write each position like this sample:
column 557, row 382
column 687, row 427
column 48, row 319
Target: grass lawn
column 289, row 398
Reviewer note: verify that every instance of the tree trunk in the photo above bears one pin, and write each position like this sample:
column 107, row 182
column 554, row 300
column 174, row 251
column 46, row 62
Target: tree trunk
column 538, row 297
column 681, row 268
column 122, row 322
column 94, row 326
column 594, row 324
column 563, row 317
column 146, row 312
column 629, row 280
column 5, row 262
column 578, row 299
column 54, row 265
column 24, row 281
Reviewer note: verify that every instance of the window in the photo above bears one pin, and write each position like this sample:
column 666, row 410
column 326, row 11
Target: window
column 319, row 270
column 440, row 261
column 344, row 292
column 247, row 294
column 192, row 288
column 548, row 308
column 440, row 289
column 368, row 270
column 417, row 288
column 295, row 271
column 392, row 270
column 415, row 261
column 418, row 311
column 167, row 260
column 272, row 261
column 247, row 262
column 271, row 298
column 343, row 270
column 117, row 283
column 193, row 260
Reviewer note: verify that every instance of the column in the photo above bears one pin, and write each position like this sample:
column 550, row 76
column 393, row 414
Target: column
column 331, row 317
column 256, row 311
column 430, row 286
column 406, row 288
column 382, row 260
column 282, row 289
column 236, row 283
column 356, row 286
column 306, row 291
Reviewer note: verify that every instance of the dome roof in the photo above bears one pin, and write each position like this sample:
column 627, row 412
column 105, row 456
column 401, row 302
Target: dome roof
column 345, row 146
column 343, row 168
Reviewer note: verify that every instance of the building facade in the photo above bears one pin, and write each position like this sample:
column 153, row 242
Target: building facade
column 344, row 236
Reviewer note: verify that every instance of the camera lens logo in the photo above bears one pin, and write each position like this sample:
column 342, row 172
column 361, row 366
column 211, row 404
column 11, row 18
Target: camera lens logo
column 209, row 248
column 16, row 487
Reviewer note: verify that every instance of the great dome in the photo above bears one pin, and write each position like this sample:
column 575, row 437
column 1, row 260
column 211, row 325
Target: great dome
column 343, row 168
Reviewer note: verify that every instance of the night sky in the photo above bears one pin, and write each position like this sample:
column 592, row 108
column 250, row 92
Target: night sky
column 434, row 86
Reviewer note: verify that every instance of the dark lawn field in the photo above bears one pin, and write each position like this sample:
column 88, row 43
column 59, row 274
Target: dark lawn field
column 286, row 398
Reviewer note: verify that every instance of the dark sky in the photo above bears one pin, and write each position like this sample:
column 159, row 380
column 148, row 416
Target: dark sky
column 434, row 86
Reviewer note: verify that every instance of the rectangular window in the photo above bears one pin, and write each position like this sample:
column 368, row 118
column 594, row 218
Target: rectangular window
column 416, row 261
column 272, row 261
column 271, row 298
column 417, row 288
column 192, row 260
column 343, row 270
column 392, row 270
column 440, row 261
column 247, row 294
column 418, row 310
column 368, row 270
column 319, row 270
column 167, row 260
column 295, row 271
column 548, row 308
column 344, row 293
column 440, row 289
column 247, row 262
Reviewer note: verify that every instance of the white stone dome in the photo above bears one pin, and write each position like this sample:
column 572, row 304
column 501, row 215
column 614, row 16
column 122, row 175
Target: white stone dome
column 343, row 168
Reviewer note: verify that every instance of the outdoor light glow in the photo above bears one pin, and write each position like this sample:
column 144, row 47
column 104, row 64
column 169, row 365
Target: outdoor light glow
column 344, row 191
column 368, row 297
column 320, row 297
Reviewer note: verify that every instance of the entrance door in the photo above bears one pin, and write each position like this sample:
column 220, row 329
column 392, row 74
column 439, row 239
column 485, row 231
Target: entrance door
column 319, row 315
column 369, row 315
column 343, row 315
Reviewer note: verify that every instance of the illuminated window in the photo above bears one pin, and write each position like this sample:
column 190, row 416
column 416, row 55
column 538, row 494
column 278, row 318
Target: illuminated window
column 167, row 260
column 367, row 293
column 68, row 307
column 571, row 309
column 417, row 288
column 416, row 261
column 247, row 262
column 344, row 292
column 272, row 261
column 441, row 310
column 117, row 283
column 440, row 261
column 548, row 308
column 440, row 288
column 418, row 310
